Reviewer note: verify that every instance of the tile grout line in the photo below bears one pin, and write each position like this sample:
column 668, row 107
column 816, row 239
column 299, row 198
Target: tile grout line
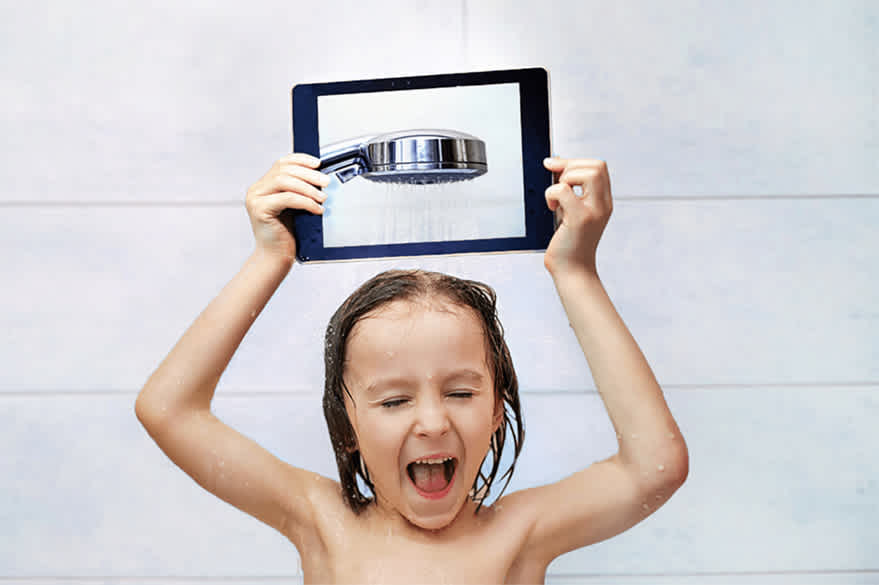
column 149, row 579
column 619, row 198
column 164, row 578
column 864, row 385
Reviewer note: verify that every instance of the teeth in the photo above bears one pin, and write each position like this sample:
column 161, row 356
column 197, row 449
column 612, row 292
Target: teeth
column 433, row 461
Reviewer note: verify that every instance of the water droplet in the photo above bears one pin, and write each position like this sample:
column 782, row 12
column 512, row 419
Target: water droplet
column 390, row 354
column 164, row 408
column 246, row 484
column 619, row 437
column 634, row 435
column 661, row 467
column 658, row 497
column 222, row 463
column 645, row 506
column 671, row 435
column 253, row 313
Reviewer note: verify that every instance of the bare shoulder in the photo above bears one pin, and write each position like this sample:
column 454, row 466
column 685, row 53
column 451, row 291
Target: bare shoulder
column 511, row 521
column 325, row 499
column 589, row 506
column 329, row 516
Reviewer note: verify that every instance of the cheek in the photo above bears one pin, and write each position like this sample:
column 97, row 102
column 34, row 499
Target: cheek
column 479, row 424
column 379, row 439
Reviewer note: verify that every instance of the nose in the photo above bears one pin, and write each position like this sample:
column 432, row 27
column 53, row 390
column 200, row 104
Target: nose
column 431, row 418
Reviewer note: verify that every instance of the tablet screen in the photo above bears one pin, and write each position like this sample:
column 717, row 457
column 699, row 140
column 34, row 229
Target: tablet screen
column 363, row 212
column 373, row 214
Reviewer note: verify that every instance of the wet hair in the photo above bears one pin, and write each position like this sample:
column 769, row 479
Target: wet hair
column 394, row 285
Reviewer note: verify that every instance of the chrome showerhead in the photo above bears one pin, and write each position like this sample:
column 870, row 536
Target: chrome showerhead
column 407, row 156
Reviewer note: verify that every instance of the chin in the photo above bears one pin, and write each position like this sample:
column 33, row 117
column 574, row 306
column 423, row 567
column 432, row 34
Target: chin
column 436, row 520
column 434, row 523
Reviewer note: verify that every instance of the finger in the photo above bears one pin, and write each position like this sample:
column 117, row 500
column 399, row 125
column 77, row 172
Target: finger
column 557, row 164
column 314, row 177
column 277, row 183
column 577, row 176
column 560, row 195
column 552, row 199
column 594, row 182
column 301, row 158
column 582, row 181
column 292, row 183
column 552, row 202
column 275, row 203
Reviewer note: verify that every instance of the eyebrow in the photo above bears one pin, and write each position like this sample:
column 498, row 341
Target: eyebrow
column 465, row 374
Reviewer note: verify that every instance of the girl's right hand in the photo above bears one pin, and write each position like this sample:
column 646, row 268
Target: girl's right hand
column 291, row 183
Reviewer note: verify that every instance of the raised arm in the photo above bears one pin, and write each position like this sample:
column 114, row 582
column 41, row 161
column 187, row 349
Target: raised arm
column 652, row 462
column 174, row 404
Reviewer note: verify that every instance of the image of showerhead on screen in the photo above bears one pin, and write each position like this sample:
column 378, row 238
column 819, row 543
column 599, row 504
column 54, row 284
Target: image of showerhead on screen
column 422, row 165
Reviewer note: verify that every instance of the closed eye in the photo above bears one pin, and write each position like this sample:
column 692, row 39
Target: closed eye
column 461, row 394
column 393, row 403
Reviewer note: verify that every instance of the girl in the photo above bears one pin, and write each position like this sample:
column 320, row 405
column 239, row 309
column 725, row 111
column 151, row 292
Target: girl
column 419, row 389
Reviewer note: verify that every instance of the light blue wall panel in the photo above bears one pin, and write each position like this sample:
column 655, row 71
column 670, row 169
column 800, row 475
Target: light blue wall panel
column 756, row 313
column 716, row 292
column 781, row 481
column 162, row 102
column 702, row 98
column 95, row 288
column 168, row 101
column 86, row 492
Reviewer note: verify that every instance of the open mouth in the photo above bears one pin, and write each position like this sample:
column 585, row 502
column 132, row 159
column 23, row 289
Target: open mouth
column 432, row 477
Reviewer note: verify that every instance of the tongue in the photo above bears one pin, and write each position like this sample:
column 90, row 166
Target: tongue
column 429, row 477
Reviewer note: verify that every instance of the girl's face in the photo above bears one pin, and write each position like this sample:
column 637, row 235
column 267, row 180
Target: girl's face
column 423, row 408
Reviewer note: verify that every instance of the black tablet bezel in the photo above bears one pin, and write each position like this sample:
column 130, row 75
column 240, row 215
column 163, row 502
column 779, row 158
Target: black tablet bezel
column 534, row 118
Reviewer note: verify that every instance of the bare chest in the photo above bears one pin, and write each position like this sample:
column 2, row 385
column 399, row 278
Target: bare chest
column 486, row 555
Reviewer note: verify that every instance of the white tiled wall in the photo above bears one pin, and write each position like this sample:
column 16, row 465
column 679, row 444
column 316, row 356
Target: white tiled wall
column 742, row 253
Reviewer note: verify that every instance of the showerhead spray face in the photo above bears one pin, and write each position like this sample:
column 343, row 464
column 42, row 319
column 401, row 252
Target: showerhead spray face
column 407, row 156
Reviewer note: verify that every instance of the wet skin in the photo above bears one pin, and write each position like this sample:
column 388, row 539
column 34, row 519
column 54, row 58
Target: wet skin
column 421, row 388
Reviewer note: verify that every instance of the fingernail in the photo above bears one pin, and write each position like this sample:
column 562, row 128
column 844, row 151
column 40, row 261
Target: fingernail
column 547, row 160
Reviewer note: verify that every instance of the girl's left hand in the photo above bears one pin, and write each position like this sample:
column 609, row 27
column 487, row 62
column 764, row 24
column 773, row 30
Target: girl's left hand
column 581, row 217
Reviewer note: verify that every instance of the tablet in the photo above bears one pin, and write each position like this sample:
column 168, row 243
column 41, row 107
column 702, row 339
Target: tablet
column 426, row 165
